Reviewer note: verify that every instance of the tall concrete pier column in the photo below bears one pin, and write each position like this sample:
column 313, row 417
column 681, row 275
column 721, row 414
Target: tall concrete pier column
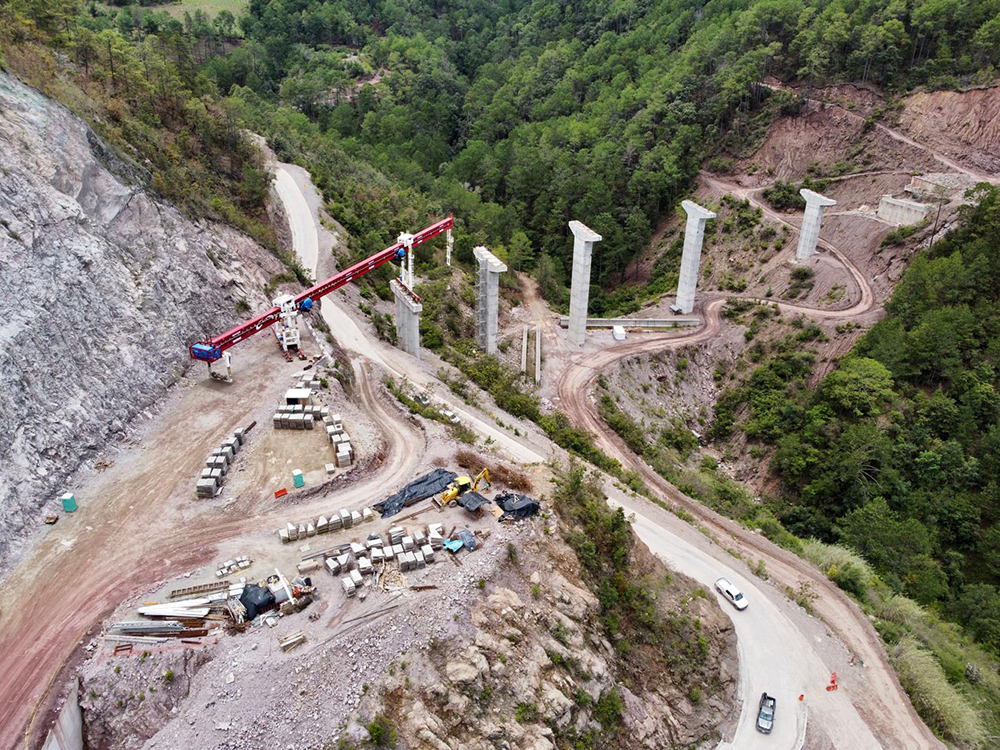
column 408, row 309
column 579, row 290
column 487, row 298
column 809, row 236
column 694, row 237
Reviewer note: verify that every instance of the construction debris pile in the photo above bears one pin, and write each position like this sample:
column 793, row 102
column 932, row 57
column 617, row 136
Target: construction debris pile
column 217, row 465
column 195, row 611
column 343, row 519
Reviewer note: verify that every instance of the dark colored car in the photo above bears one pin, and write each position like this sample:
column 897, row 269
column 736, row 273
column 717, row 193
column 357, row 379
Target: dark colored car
column 765, row 716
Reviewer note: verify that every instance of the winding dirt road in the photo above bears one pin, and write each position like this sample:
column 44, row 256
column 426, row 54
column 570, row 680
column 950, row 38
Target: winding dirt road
column 887, row 708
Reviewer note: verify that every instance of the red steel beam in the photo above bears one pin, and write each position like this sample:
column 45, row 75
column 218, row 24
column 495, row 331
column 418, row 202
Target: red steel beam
column 211, row 350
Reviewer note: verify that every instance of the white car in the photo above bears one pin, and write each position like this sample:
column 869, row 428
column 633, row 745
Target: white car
column 450, row 416
column 731, row 593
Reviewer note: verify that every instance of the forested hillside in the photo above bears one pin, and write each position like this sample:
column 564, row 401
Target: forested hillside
column 520, row 116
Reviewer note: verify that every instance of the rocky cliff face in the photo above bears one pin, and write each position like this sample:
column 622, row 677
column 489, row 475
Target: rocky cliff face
column 535, row 670
column 102, row 287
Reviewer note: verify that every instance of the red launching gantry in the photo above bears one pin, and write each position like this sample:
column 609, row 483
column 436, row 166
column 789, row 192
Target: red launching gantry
column 286, row 307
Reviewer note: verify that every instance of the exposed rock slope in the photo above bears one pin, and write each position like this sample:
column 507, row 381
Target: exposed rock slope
column 102, row 286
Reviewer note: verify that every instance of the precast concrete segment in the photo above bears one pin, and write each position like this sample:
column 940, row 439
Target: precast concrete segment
column 488, row 298
column 694, row 237
column 579, row 292
column 407, row 319
column 902, row 212
column 809, row 235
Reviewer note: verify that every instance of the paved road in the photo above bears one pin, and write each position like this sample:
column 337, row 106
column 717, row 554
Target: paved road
column 775, row 656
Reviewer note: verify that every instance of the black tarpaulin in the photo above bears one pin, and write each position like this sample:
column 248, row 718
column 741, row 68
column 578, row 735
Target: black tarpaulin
column 256, row 599
column 418, row 489
column 472, row 501
column 517, row 506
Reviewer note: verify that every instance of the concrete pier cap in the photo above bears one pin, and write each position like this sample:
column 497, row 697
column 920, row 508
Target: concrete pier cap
column 584, row 233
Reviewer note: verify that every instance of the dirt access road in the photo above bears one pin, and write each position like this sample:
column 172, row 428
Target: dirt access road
column 131, row 532
column 884, row 704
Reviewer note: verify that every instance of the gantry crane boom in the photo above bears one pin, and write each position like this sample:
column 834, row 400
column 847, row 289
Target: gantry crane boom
column 211, row 350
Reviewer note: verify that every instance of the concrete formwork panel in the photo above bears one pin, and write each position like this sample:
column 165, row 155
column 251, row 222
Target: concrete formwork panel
column 408, row 311
column 488, row 298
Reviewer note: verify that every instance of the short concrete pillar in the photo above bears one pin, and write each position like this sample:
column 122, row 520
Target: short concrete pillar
column 694, row 238
column 488, row 298
column 809, row 235
column 408, row 310
column 579, row 291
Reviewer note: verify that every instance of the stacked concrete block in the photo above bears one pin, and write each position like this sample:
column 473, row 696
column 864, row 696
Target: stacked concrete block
column 310, row 530
column 373, row 541
column 345, row 519
column 322, row 525
column 283, row 536
column 407, row 543
column 419, row 557
column 293, row 532
column 349, row 588
column 357, row 549
column 367, row 515
column 364, row 565
column 435, row 535
column 207, row 487
column 428, row 552
column 396, row 534
column 355, row 518
column 308, row 421
column 345, row 560
column 419, row 538
column 336, row 522
column 389, row 553
column 397, row 550
column 332, row 566
column 404, row 561
column 378, row 556
column 330, row 469
column 356, row 577
column 302, row 531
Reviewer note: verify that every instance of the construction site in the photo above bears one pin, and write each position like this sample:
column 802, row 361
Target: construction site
column 308, row 526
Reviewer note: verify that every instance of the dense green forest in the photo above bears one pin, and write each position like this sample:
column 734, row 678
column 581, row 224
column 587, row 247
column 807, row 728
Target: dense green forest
column 896, row 453
column 517, row 116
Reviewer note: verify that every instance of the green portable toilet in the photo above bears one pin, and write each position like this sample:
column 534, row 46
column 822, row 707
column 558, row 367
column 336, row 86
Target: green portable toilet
column 297, row 478
column 68, row 502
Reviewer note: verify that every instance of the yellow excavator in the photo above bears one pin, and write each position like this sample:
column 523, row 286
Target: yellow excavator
column 464, row 484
